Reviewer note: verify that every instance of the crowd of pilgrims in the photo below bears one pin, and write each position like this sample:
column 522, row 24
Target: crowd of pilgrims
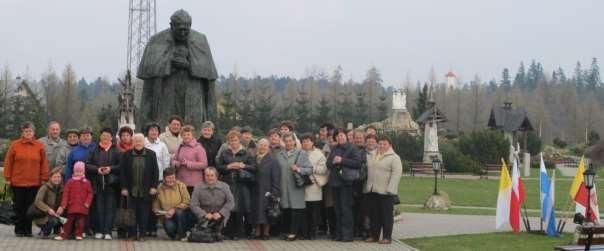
column 73, row 187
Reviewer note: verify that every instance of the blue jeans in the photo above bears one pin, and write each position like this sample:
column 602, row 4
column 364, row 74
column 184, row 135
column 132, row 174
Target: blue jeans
column 106, row 204
column 181, row 221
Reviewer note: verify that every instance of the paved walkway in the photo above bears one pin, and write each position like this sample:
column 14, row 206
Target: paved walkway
column 409, row 225
column 425, row 225
column 9, row 242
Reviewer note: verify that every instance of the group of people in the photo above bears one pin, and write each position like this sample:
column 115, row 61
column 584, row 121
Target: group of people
column 282, row 184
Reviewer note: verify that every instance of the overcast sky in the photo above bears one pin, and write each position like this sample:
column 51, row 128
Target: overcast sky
column 288, row 37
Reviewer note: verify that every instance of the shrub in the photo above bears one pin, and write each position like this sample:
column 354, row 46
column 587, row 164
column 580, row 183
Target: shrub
column 533, row 143
column 559, row 142
column 485, row 146
column 410, row 148
column 455, row 161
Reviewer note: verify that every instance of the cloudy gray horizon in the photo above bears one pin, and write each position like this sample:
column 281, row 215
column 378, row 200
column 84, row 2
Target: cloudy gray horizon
column 273, row 37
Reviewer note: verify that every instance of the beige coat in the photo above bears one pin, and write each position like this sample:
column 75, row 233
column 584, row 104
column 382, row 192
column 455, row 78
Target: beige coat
column 319, row 175
column 171, row 142
column 383, row 173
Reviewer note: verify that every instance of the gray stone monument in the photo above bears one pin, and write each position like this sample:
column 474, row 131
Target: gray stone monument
column 179, row 74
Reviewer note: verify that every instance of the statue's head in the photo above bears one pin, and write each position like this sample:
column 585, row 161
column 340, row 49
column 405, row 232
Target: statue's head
column 180, row 25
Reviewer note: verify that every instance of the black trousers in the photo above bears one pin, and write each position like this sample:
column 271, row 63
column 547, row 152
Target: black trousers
column 23, row 197
column 292, row 220
column 141, row 209
column 313, row 215
column 344, row 212
column 361, row 218
column 381, row 216
column 237, row 225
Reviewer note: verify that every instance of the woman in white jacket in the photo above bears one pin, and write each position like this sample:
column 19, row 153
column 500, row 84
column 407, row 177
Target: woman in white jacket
column 313, row 192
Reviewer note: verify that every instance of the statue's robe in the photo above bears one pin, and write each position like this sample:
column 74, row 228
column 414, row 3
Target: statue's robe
column 189, row 93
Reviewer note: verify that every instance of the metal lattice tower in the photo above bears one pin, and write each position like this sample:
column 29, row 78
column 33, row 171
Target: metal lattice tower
column 142, row 24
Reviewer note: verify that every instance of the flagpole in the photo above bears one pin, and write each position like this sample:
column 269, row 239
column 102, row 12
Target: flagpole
column 527, row 223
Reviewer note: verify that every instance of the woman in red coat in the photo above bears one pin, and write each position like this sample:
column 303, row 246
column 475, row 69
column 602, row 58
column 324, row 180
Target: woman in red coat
column 77, row 196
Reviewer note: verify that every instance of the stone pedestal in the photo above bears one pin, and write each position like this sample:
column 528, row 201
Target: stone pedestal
column 526, row 163
column 438, row 201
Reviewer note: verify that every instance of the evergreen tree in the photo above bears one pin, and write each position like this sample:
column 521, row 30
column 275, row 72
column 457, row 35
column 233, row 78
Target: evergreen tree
column 420, row 104
column 303, row 113
column 263, row 104
column 5, row 91
column 382, row 107
column 245, row 108
column 579, row 76
column 360, row 117
column 228, row 115
column 520, row 79
column 323, row 112
column 593, row 75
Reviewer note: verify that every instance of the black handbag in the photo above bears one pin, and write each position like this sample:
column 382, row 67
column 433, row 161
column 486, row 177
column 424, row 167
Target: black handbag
column 125, row 217
column 247, row 177
column 205, row 231
column 349, row 174
column 7, row 212
column 301, row 180
column 273, row 209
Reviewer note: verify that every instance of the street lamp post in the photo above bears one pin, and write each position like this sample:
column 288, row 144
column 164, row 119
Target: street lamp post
column 589, row 178
column 436, row 167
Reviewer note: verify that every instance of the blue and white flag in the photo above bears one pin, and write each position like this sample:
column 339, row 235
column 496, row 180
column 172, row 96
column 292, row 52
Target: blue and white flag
column 548, row 212
column 543, row 185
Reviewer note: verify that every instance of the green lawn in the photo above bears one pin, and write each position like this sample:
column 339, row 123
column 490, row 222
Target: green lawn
column 490, row 241
column 479, row 193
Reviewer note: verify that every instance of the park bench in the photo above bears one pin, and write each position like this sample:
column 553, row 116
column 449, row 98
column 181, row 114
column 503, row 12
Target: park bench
column 490, row 169
column 596, row 241
column 421, row 167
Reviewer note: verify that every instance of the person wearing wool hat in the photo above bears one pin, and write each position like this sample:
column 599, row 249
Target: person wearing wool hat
column 77, row 197
column 210, row 142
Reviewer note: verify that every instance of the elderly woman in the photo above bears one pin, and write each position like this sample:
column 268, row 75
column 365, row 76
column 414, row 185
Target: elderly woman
column 172, row 203
column 102, row 168
column 292, row 160
column 212, row 200
column 274, row 138
column 234, row 164
column 384, row 173
column 25, row 170
column 48, row 201
column 138, row 180
column 189, row 159
column 313, row 194
column 343, row 155
column 210, row 142
column 268, row 186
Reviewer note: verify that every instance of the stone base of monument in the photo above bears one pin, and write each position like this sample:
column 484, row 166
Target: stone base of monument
column 438, row 201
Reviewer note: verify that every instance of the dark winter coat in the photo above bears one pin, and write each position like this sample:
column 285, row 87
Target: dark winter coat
column 241, row 191
column 268, row 180
column 150, row 172
column 351, row 158
column 211, row 145
column 110, row 181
